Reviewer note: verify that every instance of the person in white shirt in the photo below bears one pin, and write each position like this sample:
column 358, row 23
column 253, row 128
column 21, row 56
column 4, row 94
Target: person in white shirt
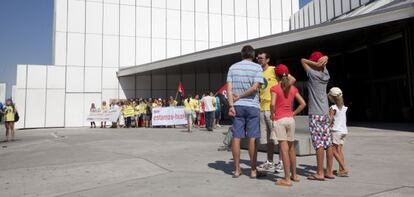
column 209, row 109
column 339, row 130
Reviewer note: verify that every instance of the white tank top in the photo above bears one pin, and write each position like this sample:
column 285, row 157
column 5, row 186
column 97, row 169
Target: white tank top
column 339, row 122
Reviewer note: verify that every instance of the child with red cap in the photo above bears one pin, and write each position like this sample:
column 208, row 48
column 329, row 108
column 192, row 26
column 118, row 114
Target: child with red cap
column 282, row 97
column 319, row 122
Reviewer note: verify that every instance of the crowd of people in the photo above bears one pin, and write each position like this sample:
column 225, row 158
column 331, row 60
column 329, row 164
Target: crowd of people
column 202, row 112
column 261, row 100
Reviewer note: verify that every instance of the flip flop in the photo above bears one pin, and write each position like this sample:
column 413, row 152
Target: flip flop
column 281, row 182
column 314, row 178
column 237, row 176
column 330, row 177
column 297, row 180
column 342, row 174
column 258, row 175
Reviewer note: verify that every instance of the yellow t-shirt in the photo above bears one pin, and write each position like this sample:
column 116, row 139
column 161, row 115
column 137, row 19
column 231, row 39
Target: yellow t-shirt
column 269, row 79
column 9, row 114
column 195, row 104
column 187, row 105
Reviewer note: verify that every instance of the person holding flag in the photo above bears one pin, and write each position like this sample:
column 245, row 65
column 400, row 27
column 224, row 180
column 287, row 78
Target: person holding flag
column 180, row 95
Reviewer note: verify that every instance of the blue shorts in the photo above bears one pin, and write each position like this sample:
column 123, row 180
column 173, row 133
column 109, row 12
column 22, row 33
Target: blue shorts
column 246, row 123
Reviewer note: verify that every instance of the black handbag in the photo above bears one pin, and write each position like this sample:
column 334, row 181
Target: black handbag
column 16, row 117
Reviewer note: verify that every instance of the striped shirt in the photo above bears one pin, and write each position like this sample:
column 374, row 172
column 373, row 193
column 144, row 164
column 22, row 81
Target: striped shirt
column 242, row 75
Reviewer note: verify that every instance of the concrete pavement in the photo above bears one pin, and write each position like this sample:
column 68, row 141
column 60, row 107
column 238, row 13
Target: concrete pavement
column 171, row 162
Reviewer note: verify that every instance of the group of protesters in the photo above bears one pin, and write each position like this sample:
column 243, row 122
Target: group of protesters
column 199, row 112
column 261, row 101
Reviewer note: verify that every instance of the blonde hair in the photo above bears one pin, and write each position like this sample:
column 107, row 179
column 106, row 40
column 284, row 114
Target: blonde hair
column 338, row 100
column 285, row 84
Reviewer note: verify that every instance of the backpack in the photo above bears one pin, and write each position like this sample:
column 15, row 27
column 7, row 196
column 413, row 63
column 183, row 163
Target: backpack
column 16, row 117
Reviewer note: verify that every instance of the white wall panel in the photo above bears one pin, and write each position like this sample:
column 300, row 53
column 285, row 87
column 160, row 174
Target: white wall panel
column 228, row 29
column 264, row 8
column 76, row 16
column 187, row 46
column 264, row 27
column 127, row 51
column 143, row 3
column 74, row 79
column 173, row 24
column 110, row 79
column 93, row 79
column 214, row 6
column 240, row 8
column 74, row 109
column 252, row 28
column 55, row 108
column 338, row 7
column 127, row 2
column 323, row 8
column 287, row 9
column 187, row 25
column 277, row 26
column 108, row 94
column 35, row 108
column 201, row 45
column 201, row 26
column 20, row 103
column 88, row 100
column 306, row 15
column 158, row 23
column 60, row 49
column 317, row 12
column 158, row 3
column 187, row 5
column 311, row 14
column 110, row 51
column 241, row 28
column 94, row 17
column 253, row 8
column 127, row 20
column 330, row 8
column 93, row 50
column 158, row 49
column 354, row 3
column 143, row 27
column 295, row 5
column 227, row 7
column 36, row 76
column 201, row 5
column 56, row 77
column 364, row 1
column 173, row 4
column 60, row 15
column 346, row 6
column 111, row 19
column 173, row 48
column 143, row 52
column 215, row 28
column 112, row 1
column 276, row 6
column 21, row 76
column 75, row 56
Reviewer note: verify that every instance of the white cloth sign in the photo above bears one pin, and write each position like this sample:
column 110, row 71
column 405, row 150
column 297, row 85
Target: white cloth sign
column 164, row 116
column 111, row 115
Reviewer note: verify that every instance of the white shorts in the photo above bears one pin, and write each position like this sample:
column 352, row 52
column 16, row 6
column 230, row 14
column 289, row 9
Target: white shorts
column 338, row 138
column 266, row 128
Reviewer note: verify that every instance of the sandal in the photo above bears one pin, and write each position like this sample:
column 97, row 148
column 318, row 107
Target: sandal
column 330, row 177
column 237, row 175
column 314, row 178
column 282, row 182
column 258, row 175
column 342, row 174
column 295, row 179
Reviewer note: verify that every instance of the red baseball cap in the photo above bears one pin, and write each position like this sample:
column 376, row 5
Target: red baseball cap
column 315, row 56
column 281, row 69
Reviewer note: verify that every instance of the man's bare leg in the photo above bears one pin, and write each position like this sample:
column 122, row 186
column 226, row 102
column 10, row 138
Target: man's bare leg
column 235, row 147
column 253, row 156
column 329, row 162
column 320, row 154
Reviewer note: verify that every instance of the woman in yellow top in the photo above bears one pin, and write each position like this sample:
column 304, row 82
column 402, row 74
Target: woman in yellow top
column 189, row 110
column 128, row 112
column 9, row 119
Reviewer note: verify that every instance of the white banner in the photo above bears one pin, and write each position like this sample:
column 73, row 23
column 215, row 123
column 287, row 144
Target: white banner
column 165, row 116
column 104, row 116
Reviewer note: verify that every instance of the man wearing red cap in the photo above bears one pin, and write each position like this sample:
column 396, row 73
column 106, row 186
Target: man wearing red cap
column 318, row 78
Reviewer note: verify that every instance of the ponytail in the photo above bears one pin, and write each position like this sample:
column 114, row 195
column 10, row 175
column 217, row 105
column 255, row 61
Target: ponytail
column 285, row 84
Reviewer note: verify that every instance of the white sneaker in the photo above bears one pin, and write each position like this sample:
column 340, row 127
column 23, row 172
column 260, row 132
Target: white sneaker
column 267, row 166
column 279, row 167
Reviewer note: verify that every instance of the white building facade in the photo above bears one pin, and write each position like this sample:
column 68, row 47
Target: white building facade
column 93, row 39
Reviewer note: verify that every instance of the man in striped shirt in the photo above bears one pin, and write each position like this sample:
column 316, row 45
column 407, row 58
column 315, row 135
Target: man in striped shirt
column 243, row 83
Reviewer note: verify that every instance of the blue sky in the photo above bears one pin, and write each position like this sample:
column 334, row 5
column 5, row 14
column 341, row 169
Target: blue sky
column 26, row 35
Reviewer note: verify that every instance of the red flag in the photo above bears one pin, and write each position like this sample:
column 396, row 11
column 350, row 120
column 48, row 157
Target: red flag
column 181, row 89
column 223, row 90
